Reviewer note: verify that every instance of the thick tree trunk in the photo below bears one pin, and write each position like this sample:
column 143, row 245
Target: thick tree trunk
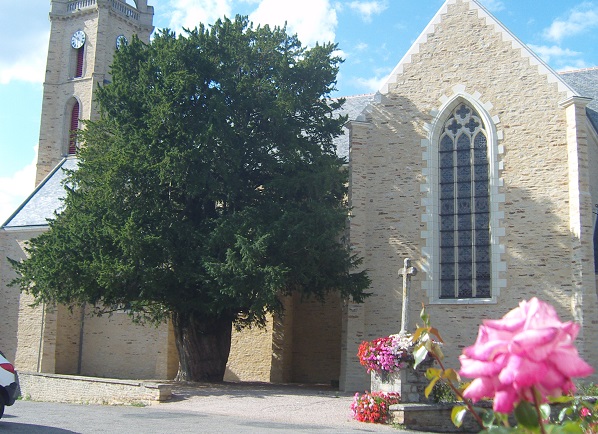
column 203, row 344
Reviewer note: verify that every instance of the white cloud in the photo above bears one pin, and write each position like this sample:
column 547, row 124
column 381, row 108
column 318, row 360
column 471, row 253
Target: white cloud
column 189, row 13
column 312, row 20
column 554, row 52
column 372, row 84
column 580, row 19
column 23, row 47
column 493, row 5
column 16, row 188
column 362, row 46
column 368, row 8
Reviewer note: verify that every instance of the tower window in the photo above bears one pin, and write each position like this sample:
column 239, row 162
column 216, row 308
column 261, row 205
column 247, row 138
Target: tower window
column 79, row 64
column 74, row 126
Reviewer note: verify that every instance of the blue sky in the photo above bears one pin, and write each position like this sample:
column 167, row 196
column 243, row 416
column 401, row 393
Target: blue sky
column 373, row 36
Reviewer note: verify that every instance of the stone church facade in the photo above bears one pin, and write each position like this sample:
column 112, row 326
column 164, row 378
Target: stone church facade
column 475, row 160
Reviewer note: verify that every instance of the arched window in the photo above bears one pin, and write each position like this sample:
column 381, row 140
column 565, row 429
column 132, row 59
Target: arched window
column 74, row 126
column 464, row 206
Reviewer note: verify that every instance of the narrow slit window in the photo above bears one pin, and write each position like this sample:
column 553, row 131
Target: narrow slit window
column 79, row 64
column 74, row 126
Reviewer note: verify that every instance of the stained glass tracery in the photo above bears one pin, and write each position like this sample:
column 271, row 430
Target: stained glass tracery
column 464, row 206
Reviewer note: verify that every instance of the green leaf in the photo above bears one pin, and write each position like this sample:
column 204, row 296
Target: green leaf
column 437, row 351
column 526, row 415
column 419, row 353
column 436, row 333
column 545, row 411
column 458, row 414
column 564, row 399
column 430, row 386
column 488, row 416
column 433, row 373
column 424, row 316
column 501, row 430
column 569, row 427
column 451, row 375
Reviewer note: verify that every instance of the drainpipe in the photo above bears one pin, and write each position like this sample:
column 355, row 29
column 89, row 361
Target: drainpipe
column 81, row 327
column 41, row 338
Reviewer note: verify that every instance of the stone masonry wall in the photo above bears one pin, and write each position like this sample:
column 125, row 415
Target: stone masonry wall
column 463, row 54
column 85, row 390
column 11, row 298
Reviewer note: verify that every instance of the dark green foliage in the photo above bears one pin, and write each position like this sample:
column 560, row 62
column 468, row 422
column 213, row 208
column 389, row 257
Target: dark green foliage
column 209, row 186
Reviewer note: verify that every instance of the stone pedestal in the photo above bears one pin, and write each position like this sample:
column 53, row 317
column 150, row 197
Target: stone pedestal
column 409, row 383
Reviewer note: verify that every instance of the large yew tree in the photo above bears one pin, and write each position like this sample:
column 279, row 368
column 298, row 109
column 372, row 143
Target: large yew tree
column 208, row 189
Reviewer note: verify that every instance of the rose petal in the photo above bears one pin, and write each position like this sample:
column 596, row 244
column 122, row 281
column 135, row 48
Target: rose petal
column 521, row 372
column 471, row 368
column 486, row 351
column 505, row 324
column 537, row 344
column 568, row 362
column 504, row 400
column 480, row 388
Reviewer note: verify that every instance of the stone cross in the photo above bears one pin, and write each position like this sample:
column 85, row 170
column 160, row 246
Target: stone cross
column 407, row 272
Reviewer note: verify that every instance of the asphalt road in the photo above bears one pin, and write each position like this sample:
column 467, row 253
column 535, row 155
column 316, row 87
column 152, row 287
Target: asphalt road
column 219, row 408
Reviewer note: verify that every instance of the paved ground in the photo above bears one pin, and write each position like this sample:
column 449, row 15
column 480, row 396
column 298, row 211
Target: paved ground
column 290, row 404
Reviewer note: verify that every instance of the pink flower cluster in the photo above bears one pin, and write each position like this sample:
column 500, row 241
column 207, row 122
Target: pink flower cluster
column 389, row 354
column 528, row 350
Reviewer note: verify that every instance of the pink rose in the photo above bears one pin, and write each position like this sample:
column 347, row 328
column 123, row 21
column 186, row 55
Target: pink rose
column 585, row 412
column 528, row 348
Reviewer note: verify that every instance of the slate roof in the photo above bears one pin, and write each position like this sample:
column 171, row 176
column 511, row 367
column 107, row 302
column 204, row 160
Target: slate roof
column 43, row 202
column 353, row 107
column 585, row 82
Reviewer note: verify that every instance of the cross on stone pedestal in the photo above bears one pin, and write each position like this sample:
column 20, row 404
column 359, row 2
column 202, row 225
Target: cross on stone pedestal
column 407, row 272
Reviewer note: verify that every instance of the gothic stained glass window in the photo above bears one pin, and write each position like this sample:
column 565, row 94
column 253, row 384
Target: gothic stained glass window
column 464, row 206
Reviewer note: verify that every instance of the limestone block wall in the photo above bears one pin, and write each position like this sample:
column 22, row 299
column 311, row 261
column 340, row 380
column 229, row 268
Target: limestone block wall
column 68, row 339
column 115, row 347
column 463, row 55
column 301, row 345
column 12, row 301
column 9, row 298
column 316, row 340
column 250, row 356
column 86, row 390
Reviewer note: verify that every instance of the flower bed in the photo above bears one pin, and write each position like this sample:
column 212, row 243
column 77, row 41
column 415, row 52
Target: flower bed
column 373, row 406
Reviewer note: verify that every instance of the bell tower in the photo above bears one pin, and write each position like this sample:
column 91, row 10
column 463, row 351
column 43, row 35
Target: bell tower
column 84, row 35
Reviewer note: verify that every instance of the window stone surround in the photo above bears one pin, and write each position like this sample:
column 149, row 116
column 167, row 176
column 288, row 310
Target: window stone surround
column 430, row 252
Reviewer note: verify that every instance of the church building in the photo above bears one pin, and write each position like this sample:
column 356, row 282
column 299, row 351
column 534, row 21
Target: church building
column 475, row 160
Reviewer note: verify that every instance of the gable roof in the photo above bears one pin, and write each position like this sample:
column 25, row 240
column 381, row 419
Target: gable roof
column 491, row 20
column 43, row 201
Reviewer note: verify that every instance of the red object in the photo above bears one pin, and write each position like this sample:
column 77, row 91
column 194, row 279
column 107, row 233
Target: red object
column 7, row 367
column 80, row 58
column 73, row 129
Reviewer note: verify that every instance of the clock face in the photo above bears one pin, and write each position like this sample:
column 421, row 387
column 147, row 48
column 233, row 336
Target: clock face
column 121, row 41
column 78, row 39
